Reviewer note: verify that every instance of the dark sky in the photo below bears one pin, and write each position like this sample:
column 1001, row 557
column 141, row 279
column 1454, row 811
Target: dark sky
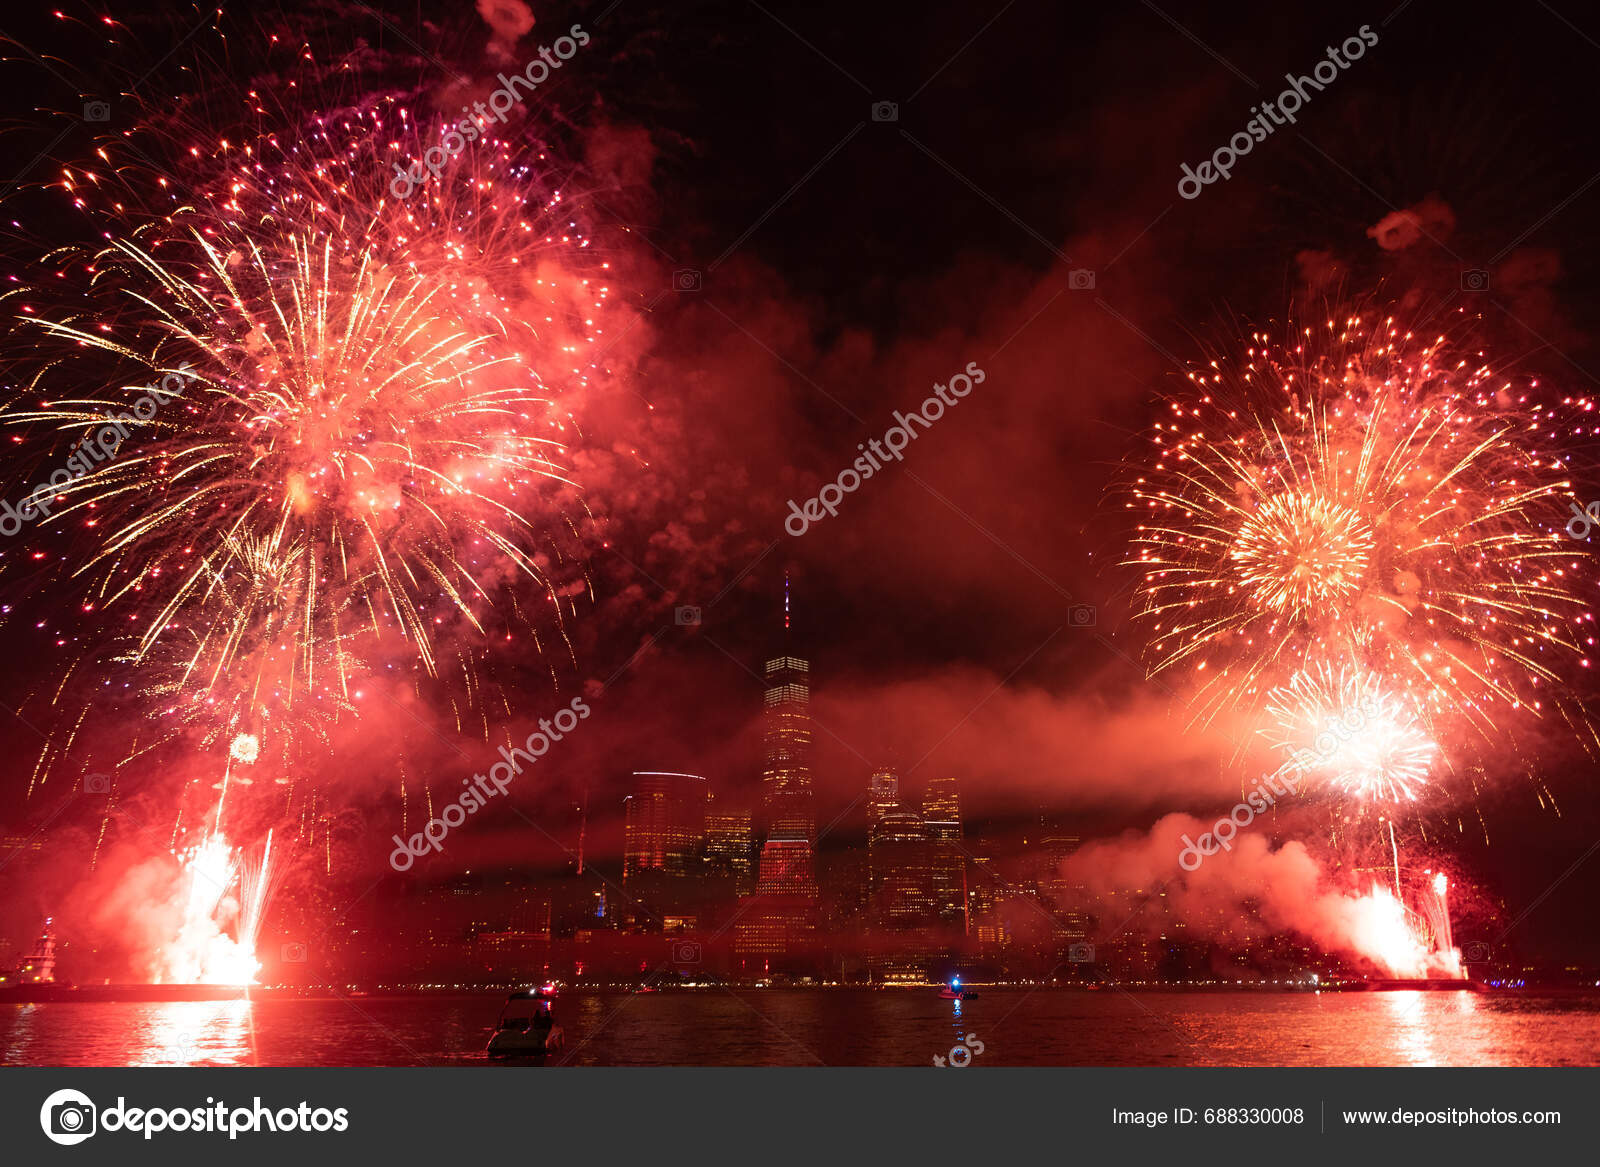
column 844, row 264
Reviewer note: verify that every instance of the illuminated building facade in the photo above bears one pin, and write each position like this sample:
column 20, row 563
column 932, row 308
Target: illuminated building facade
column 883, row 794
column 902, row 869
column 780, row 920
column 786, row 770
column 941, row 813
column 1056, row 843
column 942, row 801
column 730, row 846
column 664, row 824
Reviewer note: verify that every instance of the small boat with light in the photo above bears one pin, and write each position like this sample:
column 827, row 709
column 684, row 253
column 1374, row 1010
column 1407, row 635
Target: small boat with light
column 527, row 1025
column 955, row 992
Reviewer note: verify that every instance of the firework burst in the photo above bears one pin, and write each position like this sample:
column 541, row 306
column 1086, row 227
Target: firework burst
column 1369, row 498
column 368, row 453
column 348, row 442
column 1345, row 730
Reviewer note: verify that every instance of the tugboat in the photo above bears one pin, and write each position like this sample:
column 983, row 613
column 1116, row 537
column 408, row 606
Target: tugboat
column 527, row 1025
column 954, row 992
column 39, row 966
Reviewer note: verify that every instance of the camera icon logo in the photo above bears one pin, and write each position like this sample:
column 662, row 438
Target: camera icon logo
column 686, row 617
column 1080, row 953
column 685, row 952
column 68, row 1117
column 1474, row 279
column 96, row 784
column 1081, row 615
column 96, row 111
column 686, row 279
column 885, row 111
column 1080, row 279
column 293, row 953
column 1477, row 952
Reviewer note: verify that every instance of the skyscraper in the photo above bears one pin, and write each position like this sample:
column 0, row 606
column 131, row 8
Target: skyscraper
column 902, row 862
column 883, row 794
column 786, row 869
column 786, row 770
column 904, row 917
column 730, row 846
column 780, row 919
column 664, row 824
column 942, row 801
column 1057, row 843
column 941, row 811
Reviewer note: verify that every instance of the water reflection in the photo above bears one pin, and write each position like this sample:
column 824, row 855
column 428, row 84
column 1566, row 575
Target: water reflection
column 1008, row 1027
column 196, row 1033
column 1413, row 1044
column 1435, row 1028
column 22, row 1035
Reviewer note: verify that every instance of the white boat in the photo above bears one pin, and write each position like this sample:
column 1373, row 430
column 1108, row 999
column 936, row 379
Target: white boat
column 527, row 1025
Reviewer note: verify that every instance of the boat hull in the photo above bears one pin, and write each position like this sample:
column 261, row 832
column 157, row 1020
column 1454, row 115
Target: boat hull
column 514, row 1043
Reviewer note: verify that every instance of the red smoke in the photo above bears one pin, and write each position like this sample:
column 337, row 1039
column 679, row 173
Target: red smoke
column 1286, row 889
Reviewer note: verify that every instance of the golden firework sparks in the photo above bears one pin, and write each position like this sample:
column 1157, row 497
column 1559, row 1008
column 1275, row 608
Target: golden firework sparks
column 1363, row 496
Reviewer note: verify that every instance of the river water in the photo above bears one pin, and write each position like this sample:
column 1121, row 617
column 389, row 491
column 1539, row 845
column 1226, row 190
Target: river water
column 1007, row 1027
